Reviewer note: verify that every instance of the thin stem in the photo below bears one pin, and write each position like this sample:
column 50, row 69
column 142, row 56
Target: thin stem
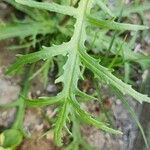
column 18, row 124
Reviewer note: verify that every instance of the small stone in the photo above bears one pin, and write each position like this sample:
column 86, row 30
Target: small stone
column 39, row 127
column 49, row 135
column 3, row 6
column 38, row 92
column 49, row 112
column 137, row 48
column 107, row 136
column 118, row 102
column 4, row 114
column 51, row 88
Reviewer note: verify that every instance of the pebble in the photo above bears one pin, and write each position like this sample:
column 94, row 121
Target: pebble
column 3, row 6
column 118, row 102
column 51, row 88
column 38, row 92
column 39, row 127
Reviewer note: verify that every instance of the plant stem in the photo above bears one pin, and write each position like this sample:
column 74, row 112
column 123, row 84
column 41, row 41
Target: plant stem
column 18, row 124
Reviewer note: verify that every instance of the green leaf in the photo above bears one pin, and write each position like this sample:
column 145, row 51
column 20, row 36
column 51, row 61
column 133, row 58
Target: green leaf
column 102, row 42
column 104, row 8
column 60, row 123
column 90, row 120
column 17, row 47
column 54, row 7
column 84, row 95
column 105, row 75
column 71, row 73
column 47, row 53
column 42, row 102
column 23, row 30
column 139, row 58
column 110, row 24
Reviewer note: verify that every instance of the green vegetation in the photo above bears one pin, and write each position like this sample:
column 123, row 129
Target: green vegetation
column 88, row 36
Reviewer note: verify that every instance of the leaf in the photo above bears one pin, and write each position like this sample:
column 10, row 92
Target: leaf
column 54, row 7
column 60, row 123
column 102, row 42
column 88, row 119
column 108, row 24
column 84, row 95
column 42, row 102
column 104, row 8
column 47, row 53
column 140, row 58
column 45, row 68
column 23, row 30
column 71, row 73
column 17, row 47
column 105, row 75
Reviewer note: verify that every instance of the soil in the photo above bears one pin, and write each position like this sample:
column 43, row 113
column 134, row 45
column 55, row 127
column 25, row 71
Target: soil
column 37, row 144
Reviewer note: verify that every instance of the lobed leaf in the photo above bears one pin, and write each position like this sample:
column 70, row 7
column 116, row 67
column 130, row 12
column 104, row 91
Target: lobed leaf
column 84, row 95
column 62, row 116
column 109, row 24
column 102, row 42
column 105, row 8
column 104, row 74
column 47, row 53
column 42, row 102
column 53, row 7
column 23, row 30
column 90, row 120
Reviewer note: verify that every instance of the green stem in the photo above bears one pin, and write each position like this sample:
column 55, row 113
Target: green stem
column 18, row 124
